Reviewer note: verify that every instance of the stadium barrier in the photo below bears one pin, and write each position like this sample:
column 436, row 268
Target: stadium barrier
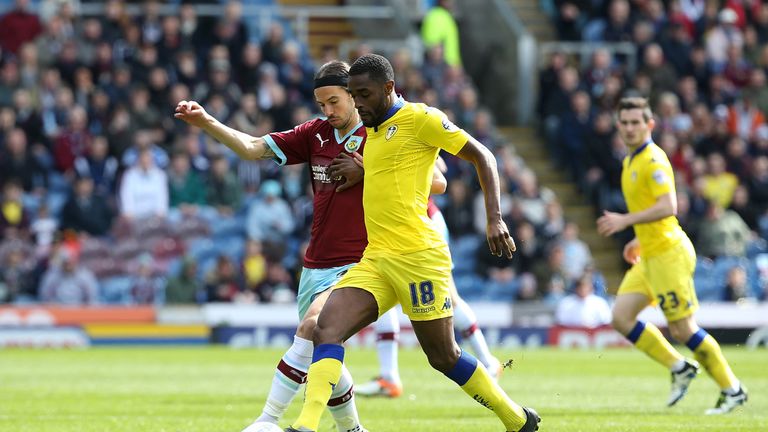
column 249, row 325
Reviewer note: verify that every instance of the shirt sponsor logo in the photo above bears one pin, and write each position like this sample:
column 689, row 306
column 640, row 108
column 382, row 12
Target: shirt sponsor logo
column 391, row 132
column 353, row 143
column 320, row 174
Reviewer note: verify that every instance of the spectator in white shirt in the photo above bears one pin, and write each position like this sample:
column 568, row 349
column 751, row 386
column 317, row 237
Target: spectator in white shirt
column 583, row 308
column 144, row 189
column 577, row 255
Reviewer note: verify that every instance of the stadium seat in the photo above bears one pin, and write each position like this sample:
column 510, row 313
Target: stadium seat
column 231, row 246
column 116, row 289
column 228, row 227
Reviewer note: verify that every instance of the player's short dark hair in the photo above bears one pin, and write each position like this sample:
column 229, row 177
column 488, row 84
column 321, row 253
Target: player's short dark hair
column 333, row 68
column 377, row 67
column 635, row 102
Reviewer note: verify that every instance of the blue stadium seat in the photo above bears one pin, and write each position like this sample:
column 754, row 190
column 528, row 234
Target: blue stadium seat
column 116, row 289
column 470, row 286
column 231, row 246
column 227, row 227
column 706, row 287
column 757, row 247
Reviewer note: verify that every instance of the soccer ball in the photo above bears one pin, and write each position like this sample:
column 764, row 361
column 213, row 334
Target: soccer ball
column 263, row 427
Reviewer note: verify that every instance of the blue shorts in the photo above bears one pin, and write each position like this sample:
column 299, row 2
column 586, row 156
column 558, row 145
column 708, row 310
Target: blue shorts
column 314, row 281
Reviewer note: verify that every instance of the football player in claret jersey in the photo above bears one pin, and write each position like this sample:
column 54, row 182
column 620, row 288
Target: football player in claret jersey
column 663, row 261
column 338, row 235
column 406, row 260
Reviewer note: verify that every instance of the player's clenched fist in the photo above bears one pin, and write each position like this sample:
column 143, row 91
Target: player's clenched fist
column 500, row 240
column 191, row 112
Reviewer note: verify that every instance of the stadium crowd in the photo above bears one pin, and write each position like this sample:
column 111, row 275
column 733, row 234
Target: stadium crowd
column 107, row 199
column 703, row 66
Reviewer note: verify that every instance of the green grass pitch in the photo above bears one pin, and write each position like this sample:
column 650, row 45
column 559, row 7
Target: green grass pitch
column 218, row 389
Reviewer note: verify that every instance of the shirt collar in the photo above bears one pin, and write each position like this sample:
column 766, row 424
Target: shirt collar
column 399, row 103
column 640, row 149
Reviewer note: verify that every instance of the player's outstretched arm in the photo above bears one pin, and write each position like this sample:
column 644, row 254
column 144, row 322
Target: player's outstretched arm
column 246, row 146
column 499, row 239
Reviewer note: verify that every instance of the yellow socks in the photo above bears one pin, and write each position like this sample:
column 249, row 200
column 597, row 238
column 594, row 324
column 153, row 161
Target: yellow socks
column 476, row 382
column 322, row 377
column 707, row 351
column 648, row 339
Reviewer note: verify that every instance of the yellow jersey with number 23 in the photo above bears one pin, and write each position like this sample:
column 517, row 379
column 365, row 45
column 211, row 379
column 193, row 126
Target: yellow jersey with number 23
column 399, row 160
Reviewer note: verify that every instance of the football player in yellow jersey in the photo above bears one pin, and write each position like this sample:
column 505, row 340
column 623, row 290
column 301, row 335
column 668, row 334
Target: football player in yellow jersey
column 406, row 260
column 663, row 261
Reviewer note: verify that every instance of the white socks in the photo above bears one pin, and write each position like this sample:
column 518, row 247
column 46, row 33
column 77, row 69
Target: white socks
column 290, row 375
column 387, row 331
column 465, row 321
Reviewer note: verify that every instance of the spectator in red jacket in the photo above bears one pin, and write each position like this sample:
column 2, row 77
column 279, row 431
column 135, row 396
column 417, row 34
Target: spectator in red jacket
column 18, row 26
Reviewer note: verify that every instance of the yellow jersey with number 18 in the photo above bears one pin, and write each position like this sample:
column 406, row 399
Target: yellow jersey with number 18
column 647, row 175
column 399, row 160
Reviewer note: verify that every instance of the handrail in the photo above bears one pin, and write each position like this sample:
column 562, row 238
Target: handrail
column 525, row 62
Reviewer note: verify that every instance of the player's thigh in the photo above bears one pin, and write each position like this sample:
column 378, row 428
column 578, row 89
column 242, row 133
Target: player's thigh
column 438, row 343
column 313, row 283
column 421, row 282
column 346, row 312
column 671, row 278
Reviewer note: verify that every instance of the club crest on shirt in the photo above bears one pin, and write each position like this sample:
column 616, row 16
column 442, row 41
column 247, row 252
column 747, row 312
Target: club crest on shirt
column 353, row 143
column 390, row 132
column 634, row 175
column 659, row 176
column 449, row 126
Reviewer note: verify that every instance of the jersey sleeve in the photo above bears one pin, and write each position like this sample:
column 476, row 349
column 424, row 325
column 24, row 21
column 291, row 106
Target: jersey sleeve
column 291, row 146
column 659, row 176
column 434, row 128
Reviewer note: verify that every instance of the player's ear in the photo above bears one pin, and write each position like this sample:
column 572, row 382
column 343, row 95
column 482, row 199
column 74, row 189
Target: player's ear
column 651, row 123
column 389, row 86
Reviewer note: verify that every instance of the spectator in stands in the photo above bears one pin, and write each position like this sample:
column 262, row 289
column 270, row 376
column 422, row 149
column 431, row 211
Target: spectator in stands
column 583, row 308
column 742, row 206
column 577, row 257
column 146, row 286
column 17, row 162
column 221, row 283
column 270, row 218
column 277, row 280
column 186, row 287
column 14, row 218
column 223, row 190
column 99, row 166
column 15, row 276
column 68, row 283
column 43, row 229
column 186, row 189
column 272, row 45
column 73, row 142
column 86, row 211
column 726, row 33
column 144, row 189
column 722, row 233
column 575, row 128
column 719, row 184
column 18, row 26
column 532, row 198
column 440, row 28
column 736, row 284
column 254, row 266
column 550, row 275
column 10, row 81
column 758, row 183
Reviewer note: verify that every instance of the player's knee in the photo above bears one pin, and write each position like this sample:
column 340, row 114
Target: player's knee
column 680, row 333
column 307, row 327
column 324, row 334
column 444, row 361
column 622, row 324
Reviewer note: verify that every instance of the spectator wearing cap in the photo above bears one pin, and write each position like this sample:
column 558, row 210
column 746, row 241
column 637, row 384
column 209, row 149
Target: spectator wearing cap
column 270, row 218
column 68, row 283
